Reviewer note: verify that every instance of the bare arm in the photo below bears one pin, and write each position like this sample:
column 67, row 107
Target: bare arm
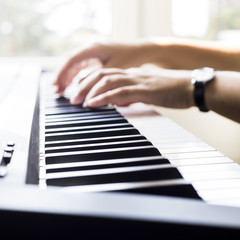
column 168, row 53
column 223, row 94
column 191, row 54
column 169, row 89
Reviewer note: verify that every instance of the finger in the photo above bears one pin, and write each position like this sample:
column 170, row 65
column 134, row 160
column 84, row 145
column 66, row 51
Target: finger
column 92, row 65
column 109, row 82
column 87, row 84
column 64, row 75
column 120, row 96
column 77, row 62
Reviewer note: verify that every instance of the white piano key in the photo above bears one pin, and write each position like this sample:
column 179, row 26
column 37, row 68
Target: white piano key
column 200, row 161
column 167, row 126
column 234, row 202
column 167, row 139
column 83, row 173
column 163, row 135
column 203, row 176
column 216, row 184
column 102, row 162
column 209, row 168
column 181, row 144
column 166, row 151
column 177, row 156
column 220, row 194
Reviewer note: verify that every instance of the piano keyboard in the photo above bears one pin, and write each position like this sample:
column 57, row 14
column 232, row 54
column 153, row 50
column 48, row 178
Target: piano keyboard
column 99, row 150
column 136, row 170
column 111, row 150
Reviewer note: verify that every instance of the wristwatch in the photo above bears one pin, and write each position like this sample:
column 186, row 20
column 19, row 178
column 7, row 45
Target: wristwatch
column 199, row 78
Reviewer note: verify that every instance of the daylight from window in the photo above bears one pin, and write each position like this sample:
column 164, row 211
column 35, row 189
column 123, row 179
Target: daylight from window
column 56, row 27
column 207, row 19
column 51, row 27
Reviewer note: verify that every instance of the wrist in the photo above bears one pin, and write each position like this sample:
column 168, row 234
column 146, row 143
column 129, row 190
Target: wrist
column 200, row 78
column 210, row 93
column 189, row 91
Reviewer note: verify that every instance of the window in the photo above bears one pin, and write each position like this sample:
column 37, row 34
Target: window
column 56, row 27
column 206, row 19
column 51, row 27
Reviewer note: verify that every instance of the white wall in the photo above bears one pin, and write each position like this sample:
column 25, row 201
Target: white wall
column 133, row 19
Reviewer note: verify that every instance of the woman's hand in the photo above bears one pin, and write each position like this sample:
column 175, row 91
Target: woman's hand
column 165, row 88
column 106, row 55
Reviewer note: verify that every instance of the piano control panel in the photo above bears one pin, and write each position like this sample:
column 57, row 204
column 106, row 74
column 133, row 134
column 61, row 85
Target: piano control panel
column 6, row 158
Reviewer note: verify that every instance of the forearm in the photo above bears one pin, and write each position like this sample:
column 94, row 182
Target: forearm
column 222, row 95
column 188, row 54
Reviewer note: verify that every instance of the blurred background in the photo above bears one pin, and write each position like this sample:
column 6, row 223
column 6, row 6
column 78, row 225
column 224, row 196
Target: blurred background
column 46, row 31
column 54, row 27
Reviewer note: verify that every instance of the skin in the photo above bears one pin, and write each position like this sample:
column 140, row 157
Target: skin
column 119, row 80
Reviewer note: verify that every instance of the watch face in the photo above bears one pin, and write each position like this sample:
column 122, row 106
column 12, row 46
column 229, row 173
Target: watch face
column 202, row 75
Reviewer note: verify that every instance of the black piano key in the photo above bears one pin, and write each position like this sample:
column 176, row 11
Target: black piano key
column 178, row 190
column 98, row 146
column 110, row 165
column 88, row 127
column 116, row 177
column 95, row 140
column 63, row 110
column 77, row 116
column 158, row 159
column 105, row 162
column 74, row 109
column 55, row 97
column 56, row 104
column 85, row 122
column 102, row 154
column 90, row 134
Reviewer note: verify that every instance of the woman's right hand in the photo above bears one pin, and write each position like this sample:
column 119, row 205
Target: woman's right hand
column 108, row 55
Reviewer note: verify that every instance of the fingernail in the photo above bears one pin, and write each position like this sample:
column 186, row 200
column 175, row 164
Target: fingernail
column 85, row 104
column 56, row 89
column 74, row 100
column 93, row 102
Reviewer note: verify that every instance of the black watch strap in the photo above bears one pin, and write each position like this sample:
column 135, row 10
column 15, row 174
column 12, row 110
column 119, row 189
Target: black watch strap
column 199, row 97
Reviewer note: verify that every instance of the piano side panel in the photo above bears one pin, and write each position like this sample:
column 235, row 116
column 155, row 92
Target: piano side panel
column 16, row 112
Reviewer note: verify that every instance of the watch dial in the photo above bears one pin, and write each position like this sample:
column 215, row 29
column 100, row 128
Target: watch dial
column 203, row 75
